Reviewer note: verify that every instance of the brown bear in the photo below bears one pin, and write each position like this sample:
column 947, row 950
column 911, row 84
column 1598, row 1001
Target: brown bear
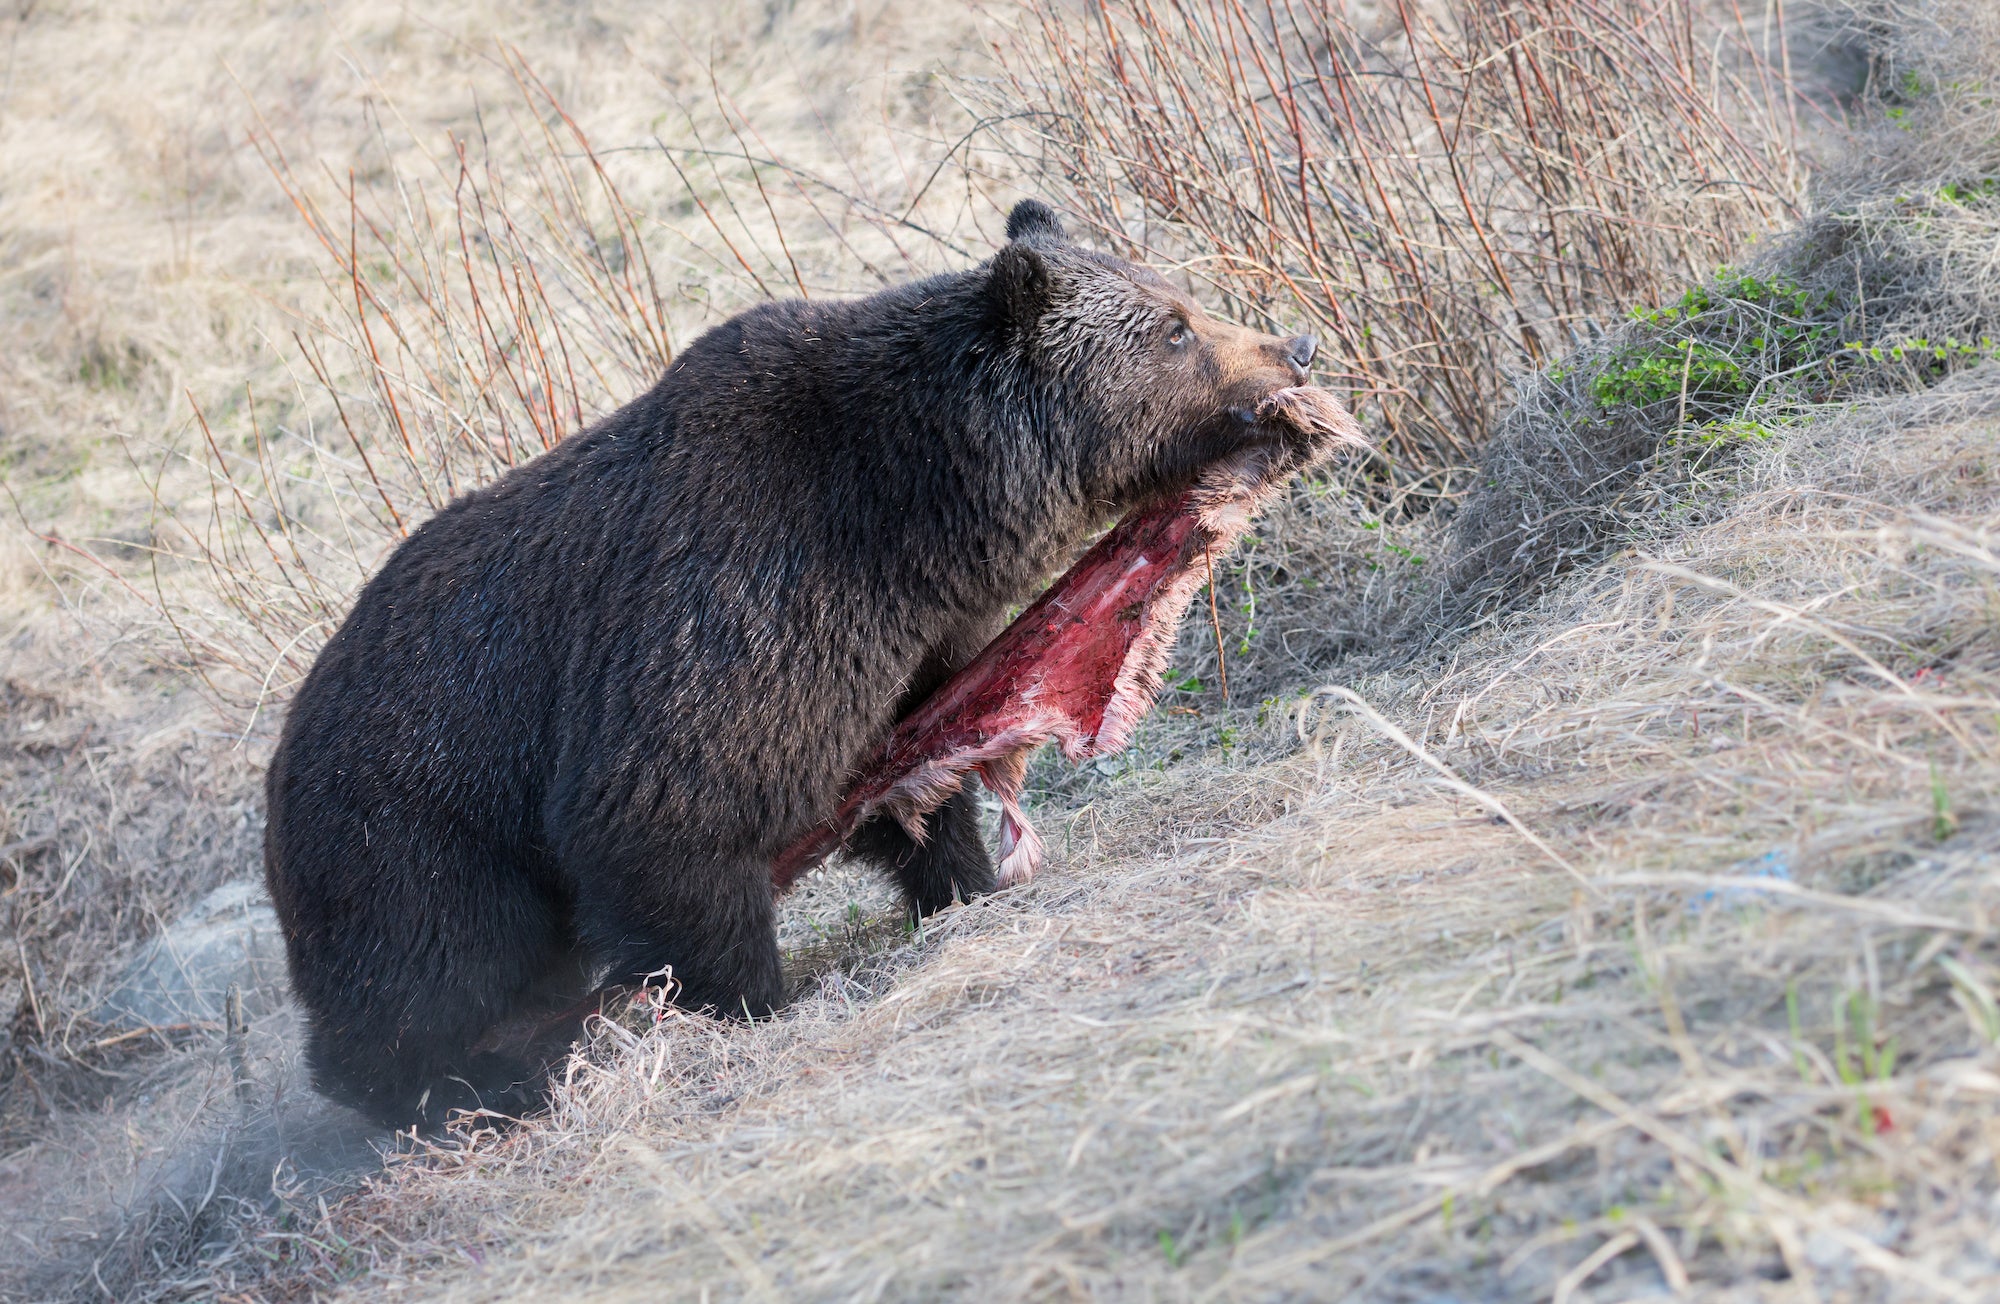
column 563, row 732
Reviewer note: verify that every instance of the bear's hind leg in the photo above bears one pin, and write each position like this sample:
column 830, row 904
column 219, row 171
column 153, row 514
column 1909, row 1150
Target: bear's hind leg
column 484, row 952
column 952, row 864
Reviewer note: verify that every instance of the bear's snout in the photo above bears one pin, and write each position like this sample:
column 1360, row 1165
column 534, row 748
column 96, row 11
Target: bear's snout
column 1299, row 351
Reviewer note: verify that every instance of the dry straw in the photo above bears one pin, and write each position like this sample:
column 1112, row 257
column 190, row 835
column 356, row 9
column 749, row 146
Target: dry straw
column 1888, row 285
column 480, row 304
column 1315, row 1025
column 1292, row 1023
column 1447, row 197
column 474, row 318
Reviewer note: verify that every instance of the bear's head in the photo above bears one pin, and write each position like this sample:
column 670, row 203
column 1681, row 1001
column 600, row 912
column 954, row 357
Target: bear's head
column 1153, row 388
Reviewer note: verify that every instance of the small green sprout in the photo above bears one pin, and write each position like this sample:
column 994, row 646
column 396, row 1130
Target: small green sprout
column 1799, row 1060
column 1943, row 822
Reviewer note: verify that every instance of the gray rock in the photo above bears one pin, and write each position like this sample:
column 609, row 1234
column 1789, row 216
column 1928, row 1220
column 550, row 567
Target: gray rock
column 228, row 937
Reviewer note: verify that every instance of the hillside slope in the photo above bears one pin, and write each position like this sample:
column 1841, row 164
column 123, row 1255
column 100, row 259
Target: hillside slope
column 1323, row 1025
column 1611, row 917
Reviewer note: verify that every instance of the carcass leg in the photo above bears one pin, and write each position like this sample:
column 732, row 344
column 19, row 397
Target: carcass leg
column 951, row 864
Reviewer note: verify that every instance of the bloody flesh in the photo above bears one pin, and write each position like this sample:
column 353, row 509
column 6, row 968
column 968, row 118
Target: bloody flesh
column 1082, row 665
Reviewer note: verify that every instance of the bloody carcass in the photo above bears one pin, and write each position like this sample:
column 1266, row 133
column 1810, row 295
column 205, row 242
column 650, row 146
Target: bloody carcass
column 1082, row 665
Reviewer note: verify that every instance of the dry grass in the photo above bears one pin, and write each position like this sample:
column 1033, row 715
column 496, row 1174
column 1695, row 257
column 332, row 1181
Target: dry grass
column 113, row 814
column 1890, row 284
column 151, row 264
column 487, row 286
column 1474, row 194
column 1659, row 951
column 485, row 304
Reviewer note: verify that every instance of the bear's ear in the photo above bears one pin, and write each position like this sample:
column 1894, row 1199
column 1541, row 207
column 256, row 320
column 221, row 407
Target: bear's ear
column 1033, row 220
column 1020, row 284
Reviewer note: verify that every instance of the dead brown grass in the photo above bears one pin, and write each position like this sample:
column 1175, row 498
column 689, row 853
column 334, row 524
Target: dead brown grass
column 1291, row 1015
column 1889, row 285
column 485, row 291
column 1476, row 193
column 151, row 265
column 115, row 811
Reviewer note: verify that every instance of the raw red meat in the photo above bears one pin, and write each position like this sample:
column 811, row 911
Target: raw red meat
column 1081, row 666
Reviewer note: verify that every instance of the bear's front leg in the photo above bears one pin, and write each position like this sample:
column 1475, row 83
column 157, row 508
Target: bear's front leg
column 715, row 931
column 952, row 864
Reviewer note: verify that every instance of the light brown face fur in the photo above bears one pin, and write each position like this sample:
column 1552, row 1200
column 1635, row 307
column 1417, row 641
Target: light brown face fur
column 1171, row 388
column 1246, row 366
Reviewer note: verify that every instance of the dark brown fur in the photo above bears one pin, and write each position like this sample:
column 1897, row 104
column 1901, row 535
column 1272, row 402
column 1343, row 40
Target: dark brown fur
column 563, row 732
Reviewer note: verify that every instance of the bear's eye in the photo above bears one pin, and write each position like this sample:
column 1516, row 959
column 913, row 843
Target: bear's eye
column 1178, row 335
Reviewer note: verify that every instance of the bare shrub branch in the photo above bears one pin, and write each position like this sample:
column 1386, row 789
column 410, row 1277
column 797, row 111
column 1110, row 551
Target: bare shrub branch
column 1448, row 198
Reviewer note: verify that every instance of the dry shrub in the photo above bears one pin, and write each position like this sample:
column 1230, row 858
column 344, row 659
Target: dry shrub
column 1451, row 198
column 479, row 306
column 1309, row 1025
column 1889, row 285
column 480, row 295
column 473, row 317
column 1448, row 194
column 482, row 305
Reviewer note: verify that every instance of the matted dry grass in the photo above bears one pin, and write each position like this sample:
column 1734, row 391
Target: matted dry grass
column 268, row 306
column 1655, row 956
column 1890, row 284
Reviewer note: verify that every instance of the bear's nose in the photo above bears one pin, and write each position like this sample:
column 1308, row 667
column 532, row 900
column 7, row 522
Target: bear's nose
column 1299, row 351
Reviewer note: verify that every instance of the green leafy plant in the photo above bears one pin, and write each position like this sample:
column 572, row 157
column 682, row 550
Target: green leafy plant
column 1653, row 374
column 1860, row 1054
column 1799, row 1060
column 1935, row 355
column 1967, row 192
column 1716, row 342
column 1943, row 822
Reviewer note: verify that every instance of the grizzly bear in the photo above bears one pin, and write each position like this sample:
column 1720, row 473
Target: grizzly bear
column 564, row 730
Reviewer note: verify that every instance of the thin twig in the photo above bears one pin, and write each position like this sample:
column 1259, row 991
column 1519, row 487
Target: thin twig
column 1215, row 623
